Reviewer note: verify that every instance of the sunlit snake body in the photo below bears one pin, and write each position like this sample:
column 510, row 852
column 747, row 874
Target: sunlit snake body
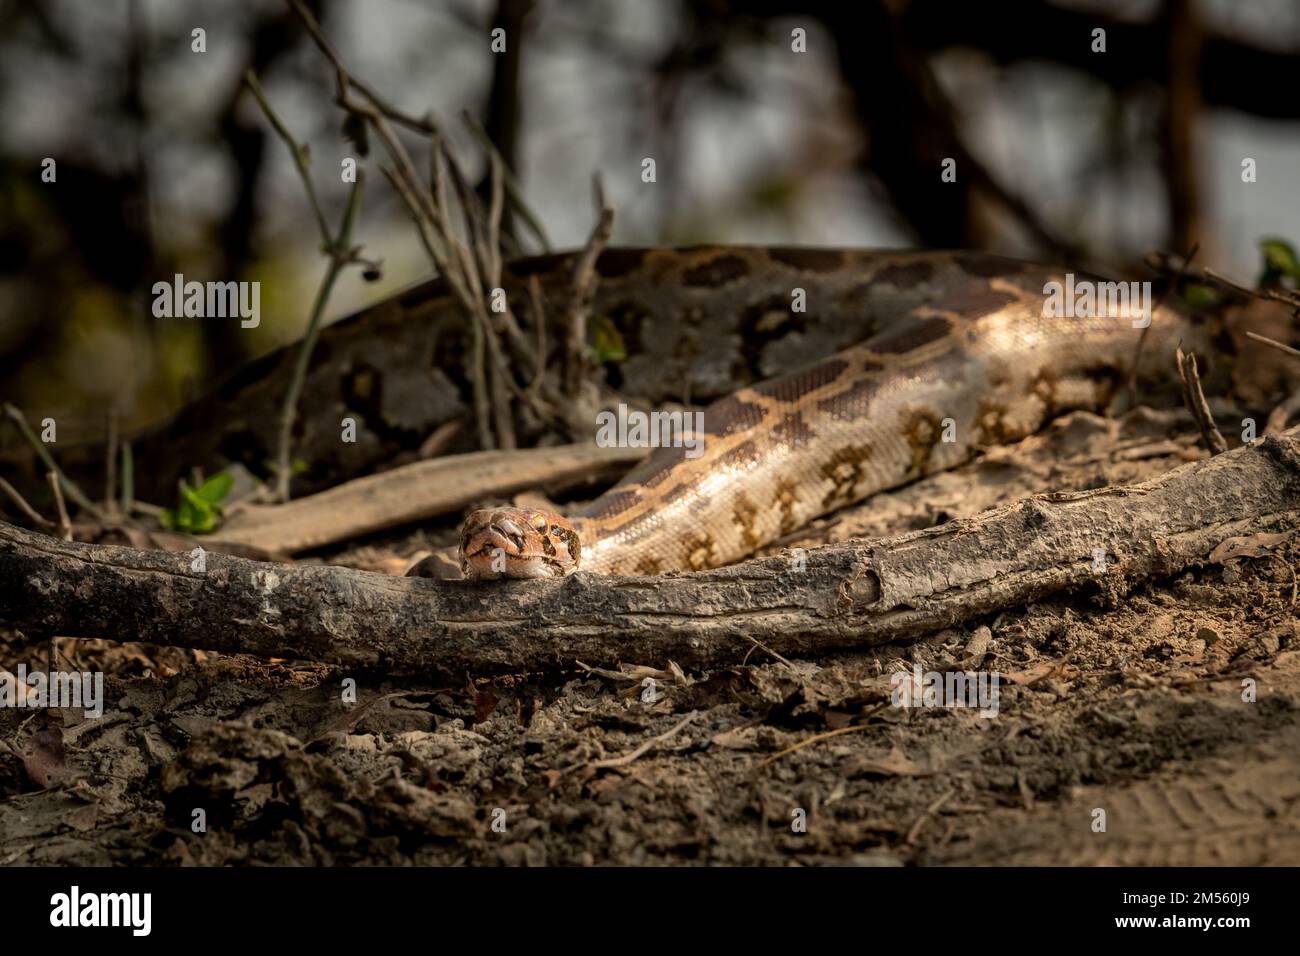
column 958, row 356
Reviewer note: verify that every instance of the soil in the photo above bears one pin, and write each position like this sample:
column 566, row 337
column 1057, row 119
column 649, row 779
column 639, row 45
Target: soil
column 1158, row 727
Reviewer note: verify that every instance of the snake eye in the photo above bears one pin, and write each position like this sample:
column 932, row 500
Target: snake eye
column 538, row 522
column 556, row 529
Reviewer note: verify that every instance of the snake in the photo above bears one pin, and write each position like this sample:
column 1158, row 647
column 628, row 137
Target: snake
column 943, row 356
column 825, row 375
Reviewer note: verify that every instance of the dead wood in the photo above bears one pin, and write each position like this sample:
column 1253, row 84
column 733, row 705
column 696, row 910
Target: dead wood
column 1194, row 399
column 855, row 594
column 415, row 492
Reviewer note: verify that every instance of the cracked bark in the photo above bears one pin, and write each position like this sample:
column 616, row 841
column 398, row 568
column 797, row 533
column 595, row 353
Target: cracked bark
column 855, row 594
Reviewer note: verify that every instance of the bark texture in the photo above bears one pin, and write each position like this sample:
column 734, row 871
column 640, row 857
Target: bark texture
column 855, row 594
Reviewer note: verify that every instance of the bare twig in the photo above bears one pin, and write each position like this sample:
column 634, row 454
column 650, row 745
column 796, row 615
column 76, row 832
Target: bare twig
column 417, row 125
column 339, row 258
column 32, row 514
column 759, row 645
column 481, row 264
column 297, row 150
column 816, row 738
column 914, row 830
column 432, row 214
column 469, row 259
column 646, row 747
column 583, row 289
column 338, row 248
column 65, row 523
column 1280, row 346
column 1194, row 398
column 110, row 465
column 513, row 189
column 1285, row 296
column 1283, row 413
column 69, row 486
column 539, row 319
column 1156, row 261
column 1170, row 264
column 128, row 479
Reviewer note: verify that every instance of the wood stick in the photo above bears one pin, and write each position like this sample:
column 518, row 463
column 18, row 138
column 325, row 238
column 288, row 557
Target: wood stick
column 32, row 514
column 65, row 523
column 850, row 595
column 1194, row 399
column 1280, row 346
column 415, row 492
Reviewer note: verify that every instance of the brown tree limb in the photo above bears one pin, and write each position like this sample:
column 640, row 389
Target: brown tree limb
column 415, row 492
column 856, row 594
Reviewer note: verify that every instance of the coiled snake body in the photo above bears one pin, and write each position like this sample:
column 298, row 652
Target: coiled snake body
column 954, row 352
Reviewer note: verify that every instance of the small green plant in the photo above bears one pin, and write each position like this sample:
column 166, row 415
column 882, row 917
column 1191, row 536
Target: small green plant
column 606, row 341
column 1280, row 262
column 199, row 508
column 1201, row 296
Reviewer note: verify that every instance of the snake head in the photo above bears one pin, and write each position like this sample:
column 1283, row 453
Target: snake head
column 518, row 543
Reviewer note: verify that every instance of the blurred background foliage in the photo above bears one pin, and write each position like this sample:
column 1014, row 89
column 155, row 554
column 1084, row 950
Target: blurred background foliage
column 166, row 165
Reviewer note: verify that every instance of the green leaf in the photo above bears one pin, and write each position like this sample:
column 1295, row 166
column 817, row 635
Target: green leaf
column 216, row 488
column 606, row 341
column 1279, row 260
column 193, row 514
column 1200, row 296
column 197, row 510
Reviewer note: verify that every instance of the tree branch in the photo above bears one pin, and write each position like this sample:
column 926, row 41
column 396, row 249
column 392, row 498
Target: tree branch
column 840, row 596
column 416, row 492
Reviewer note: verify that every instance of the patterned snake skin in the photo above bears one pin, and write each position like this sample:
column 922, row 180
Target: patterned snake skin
column 953, row 353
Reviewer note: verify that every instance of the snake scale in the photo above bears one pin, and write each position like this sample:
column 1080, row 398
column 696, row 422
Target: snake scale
column 946, row 354
column 895, row 365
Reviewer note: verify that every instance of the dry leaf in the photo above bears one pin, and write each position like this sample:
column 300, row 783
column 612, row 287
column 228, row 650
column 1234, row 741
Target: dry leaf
column 742, row 738
column 893, row 764
column 1248, row 546
column 82, row 818
column 1031, row 675
column 43, row 757
column 347, row 721
column 485, row 701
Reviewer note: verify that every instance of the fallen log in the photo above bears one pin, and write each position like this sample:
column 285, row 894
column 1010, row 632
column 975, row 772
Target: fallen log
column 416, row 492
column 854, row 594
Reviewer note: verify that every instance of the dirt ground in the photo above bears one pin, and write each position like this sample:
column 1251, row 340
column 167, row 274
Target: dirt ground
column 1139, row 706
